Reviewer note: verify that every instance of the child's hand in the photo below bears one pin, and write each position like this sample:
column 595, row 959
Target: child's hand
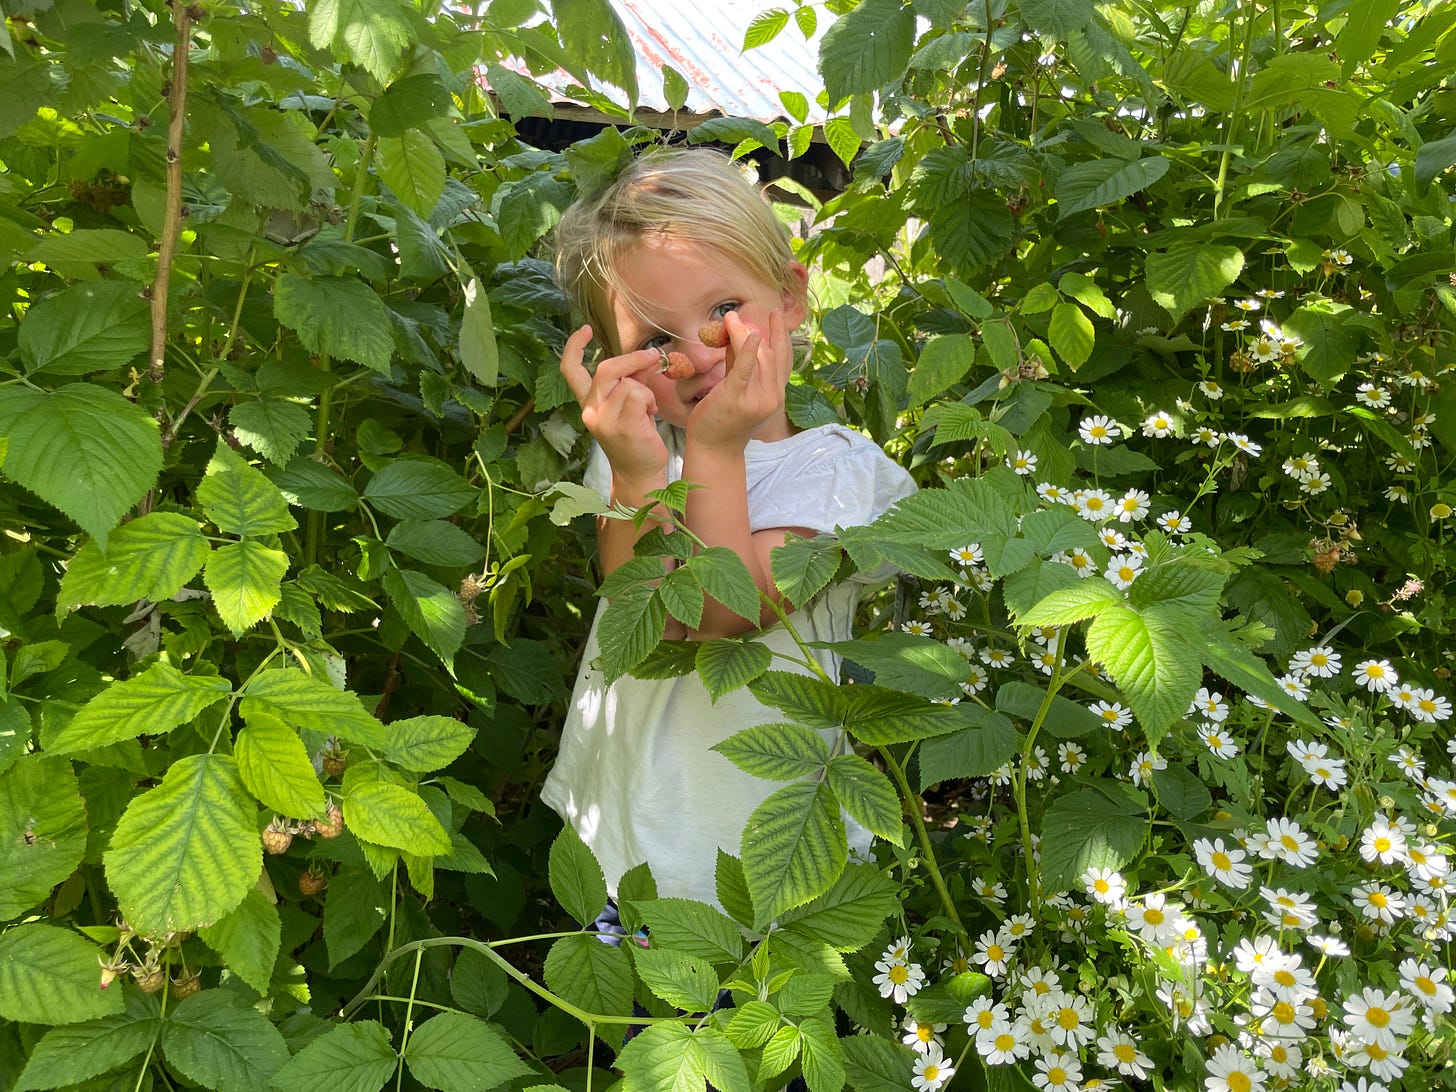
column 618, row 409
column 751, row 394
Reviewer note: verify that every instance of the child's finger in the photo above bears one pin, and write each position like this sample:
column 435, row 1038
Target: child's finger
column 573, row 368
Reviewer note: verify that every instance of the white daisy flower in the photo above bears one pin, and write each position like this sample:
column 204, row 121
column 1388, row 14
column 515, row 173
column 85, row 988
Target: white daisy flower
column 1095, row 505
column 1058, row 1072
column 1428, row 706
column 1070, row 757
column 1382, row 842
column 1133, row 506
column 1219, row 742
column 931, row 1071
column 1377, row 676
column 1144, row 763
column 997, row 657
column 1426, row 983
column 1112, row 538
column 1226, row 865
column 1098, row 429
column 1210, row 389
column 967, row 556
column 898, row 979
column 1159, row 424
column 991, row 955
column 1375, row 1016
column 983, row 1013
column 1118, row 1050
column 1114, row 714
column 1105, row 885
column 1244, row 444
column 1229, row 1070
column 1174, row 523
column 1315, row 484
column 921, row 1036
column 1123, row 569
column 1377, row 902
column 1287, row 842
column 1373, row 395
column 1023, row 462
column 1321, row 661
column 1004, row 1043
column 1210, row 705
column 1289, row 909
column 1205, row 436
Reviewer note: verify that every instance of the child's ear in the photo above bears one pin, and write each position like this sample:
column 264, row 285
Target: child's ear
column 795, row 298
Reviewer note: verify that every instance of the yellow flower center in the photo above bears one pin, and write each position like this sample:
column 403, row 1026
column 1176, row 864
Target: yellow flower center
column 1068, row 1019
column 1284, row 977
column 1377, row 1016
column 1153, row 916
column 1283, row 1012
column 1382, row 845
column 932, row 1072
column 1377, row 1052
column 1239, row 1082
column 1056, row 1076
column 1289, row 843
column 924, row 1032
column 995, row 953
column 1425, row 985
column 1319, row 659
column 985, row 1018
column 1375, row 671
column 1378, row 900
column 1125, row 1053
column 1005, row 1041
column 899, row 974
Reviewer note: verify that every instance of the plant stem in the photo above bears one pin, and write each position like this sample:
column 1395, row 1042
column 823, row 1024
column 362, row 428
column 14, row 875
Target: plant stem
column 409, row 1009
column 922, row 835
column 172, row 215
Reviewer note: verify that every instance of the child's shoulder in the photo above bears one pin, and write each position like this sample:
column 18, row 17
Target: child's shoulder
column 824, row 477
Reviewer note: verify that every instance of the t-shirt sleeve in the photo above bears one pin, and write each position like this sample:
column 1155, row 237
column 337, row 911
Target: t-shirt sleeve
column 845, row 482
column 598, row 473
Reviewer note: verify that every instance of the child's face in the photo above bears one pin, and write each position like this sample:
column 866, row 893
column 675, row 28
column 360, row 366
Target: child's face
column 677, row 287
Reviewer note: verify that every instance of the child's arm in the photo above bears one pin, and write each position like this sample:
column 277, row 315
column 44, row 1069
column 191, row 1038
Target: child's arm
column 618, row 411
column 750, row 395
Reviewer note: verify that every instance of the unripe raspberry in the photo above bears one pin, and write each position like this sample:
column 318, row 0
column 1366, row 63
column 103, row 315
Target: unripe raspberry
column 186, row 986
column 150, row 979
column 311, row 883
column 713, row 334
column 276, row 838
column 331, row 827
column 335, row 759
column 676, row 366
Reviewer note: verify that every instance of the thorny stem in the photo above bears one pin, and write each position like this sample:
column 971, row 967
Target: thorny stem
column 172, row 216
column 913, row 806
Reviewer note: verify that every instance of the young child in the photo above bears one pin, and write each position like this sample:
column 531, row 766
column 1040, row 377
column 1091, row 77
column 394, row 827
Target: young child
column 679, row 240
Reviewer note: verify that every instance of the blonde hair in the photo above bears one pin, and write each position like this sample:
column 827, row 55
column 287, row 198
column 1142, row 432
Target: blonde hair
column 695, row 195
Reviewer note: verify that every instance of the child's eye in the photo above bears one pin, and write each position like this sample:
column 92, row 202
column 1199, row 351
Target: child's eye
column 656, row 341
column 723, row 308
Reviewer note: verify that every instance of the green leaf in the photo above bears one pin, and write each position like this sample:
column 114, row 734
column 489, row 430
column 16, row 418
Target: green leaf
column 1181, row 792
column 245, row 579
column 973, row 232
column 1084, row 599
column 867, row 795
column 302, row 701
column 77, row 254
column 83, row 449
column 42, row 831
column 275, row 766
column 372, row 33
column 271, row 427
column 866, row 48
column 356, row 907
column 1056, row 19
column 592, row 34
column 1099, row 182
column 248, row 939
column 479, row 352
column 337, row 316
column 1154, row 660
column 1188, row 274
column 50, row 975
column 683, row 981
column 943, row 362
column 239, row 499
column 426, row 743
column 764, row 28
column 1433, row 157
column 850, row 913
column 151, row 703
column 727, row 664
column 219, row 1040
column 1234, row 662
column 673, row 1056
column 876, row 1064
column 432, row 611
column 409, row 103
column 794, row 847
column 879, row 717
column 803, row 698
column 977, row 751
column 1065, row 719
column 966, row 510
column 776, row 752
column 753, row 1024
column 150, row 557
column 1071, row 334
column 631, row 627
column 682, row 596
column 1185, row 583
column 1025, row 588
column 457, row 1052
column 902, row 661
column 725, row 577
column 576, row 877
column 803, row 567
column 356, row 1057
column 418, row 487
column 89, row 327
column 390, row 815
column 692, row 927
column 435, row 542
column 1365, row 24
column 312, row 485
column 1087, row 829
column 591, row 975
column 185, row 853
column 413, row 167
column 71, row 1055
column 823, row 1068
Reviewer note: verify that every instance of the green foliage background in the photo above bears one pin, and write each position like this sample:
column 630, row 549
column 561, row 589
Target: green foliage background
column 280, row 421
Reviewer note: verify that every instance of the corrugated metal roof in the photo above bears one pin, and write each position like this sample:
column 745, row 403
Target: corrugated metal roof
column 703, row 40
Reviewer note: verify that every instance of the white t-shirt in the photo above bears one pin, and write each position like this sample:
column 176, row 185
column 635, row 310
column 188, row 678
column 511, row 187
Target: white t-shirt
column 635, row 774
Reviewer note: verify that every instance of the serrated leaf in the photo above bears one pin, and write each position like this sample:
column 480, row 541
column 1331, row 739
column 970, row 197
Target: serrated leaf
column 1155, row 661
column 220, row 1041
column 1078, row 601
column 82, row 449
column 94, row 326
column 943, row 362
column 413, row 167
column 432, row 611
column 879, row 717
column 456, row 1052
column 1071, row 334
column 302, row 701
column 339, row 316
column 245, row 580
column 576, row 877
column 151, row 703
column 42, row 830
column 727, row 664
column 239, row 499
column 356, row 907
column 418, row 487
column 803, row 567
column 50, row 975
column 372, row 33
column 764, row 28
column 794, row 848
column 1188, row 274
column 150, row 557
column 71, row 1055
column 631, row 627
column 275, row 766
column 867, row 795
column 1064, row 719
column 479, row 352
column 673, row 1056
column 753, row 1024
column 426, row 743
column 977, row 751
column 312, row 485
column 725, row 577
column 1057, row 18
column 593, row 35
column 866, row 48
column 875, row 1064
column 1023, row 589
column 849, row 914
column 902, row 661
column 823, row 1069
column 355, row 1057
column 682, row 597
column 248, row 939
column 1099, row 182
column 776, row 752
column 692, row 927
column 435, row 542
column 271, row 427
column 391, row 815
column 185, row 853
column 683, row 981
column 1087, row 829
column 591, row 975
